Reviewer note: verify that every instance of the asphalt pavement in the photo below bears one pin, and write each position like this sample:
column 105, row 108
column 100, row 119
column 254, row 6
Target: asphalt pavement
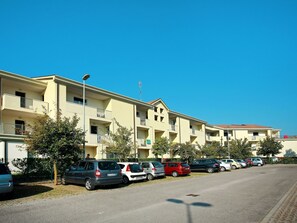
column 285, row 211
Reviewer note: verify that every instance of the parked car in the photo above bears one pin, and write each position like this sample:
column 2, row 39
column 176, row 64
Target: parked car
column 208, row 165
column 234, row 164
column 257, row 161
column 6, row 180
column 176, row 168
column 132, row 171
column 224, row 166
column 92, row 173
column 242, row 163
column 153, row 169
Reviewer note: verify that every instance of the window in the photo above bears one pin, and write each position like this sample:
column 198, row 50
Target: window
column 93, row 129
column 156, row 109
column 90, row 166
column 156, row 117
column 19, row 127
column 79, row 100
column 255, row 133
column 162, row 118
column 161, row 110
column 137, row 114
column 81, row 165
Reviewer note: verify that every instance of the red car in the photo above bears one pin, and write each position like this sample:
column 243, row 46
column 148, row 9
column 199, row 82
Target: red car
column 176, row 168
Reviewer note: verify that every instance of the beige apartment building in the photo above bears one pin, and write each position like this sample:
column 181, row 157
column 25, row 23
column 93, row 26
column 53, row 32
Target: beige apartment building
column 253, row 133
column 22, row 98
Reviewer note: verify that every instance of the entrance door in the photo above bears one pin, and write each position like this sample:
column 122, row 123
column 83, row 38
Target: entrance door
column 23, row 98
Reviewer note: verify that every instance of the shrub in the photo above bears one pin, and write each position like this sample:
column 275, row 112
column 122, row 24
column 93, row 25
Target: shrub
column 34, row 167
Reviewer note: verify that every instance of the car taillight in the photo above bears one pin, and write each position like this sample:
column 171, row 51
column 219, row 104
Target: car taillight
column 128, row 168
column 154, row 169
column 97, row 173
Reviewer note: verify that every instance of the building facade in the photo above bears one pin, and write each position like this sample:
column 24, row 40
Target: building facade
column 22, row 98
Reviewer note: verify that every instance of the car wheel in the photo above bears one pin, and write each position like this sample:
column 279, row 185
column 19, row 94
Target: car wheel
column 125, row 180
column 259, row 164
column 210, row 170
column 63, row 181
column 150, row 177
column 233, row 167
column 223, row 169
column 89, row 185
column 174, row 174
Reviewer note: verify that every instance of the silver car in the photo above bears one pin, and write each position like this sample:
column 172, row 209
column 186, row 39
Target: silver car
column 6, row 181
column 153, row 169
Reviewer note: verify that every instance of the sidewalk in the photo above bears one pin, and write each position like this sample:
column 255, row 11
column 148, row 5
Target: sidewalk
column 285, row 210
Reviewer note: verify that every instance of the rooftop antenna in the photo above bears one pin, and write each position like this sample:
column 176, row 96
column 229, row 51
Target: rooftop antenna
column 140, row 90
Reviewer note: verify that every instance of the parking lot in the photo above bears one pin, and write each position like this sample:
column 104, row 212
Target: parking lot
column 247, row 195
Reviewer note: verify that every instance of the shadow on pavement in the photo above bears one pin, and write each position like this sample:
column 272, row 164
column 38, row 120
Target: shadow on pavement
column 21, row 191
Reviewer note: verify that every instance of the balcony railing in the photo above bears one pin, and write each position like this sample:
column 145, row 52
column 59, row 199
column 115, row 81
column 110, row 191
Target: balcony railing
column 141, row 142
column 142, row 121
column 256, row 138
column 14, row 129
column 16, row 103
column 92, row 112
column 173, row 128
column 98, row 139
column 104, row 113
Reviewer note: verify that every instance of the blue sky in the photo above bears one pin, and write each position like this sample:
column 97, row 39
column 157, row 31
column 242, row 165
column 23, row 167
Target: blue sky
column 225, row 62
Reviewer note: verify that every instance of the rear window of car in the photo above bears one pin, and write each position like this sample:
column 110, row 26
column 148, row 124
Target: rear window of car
column 135, row 168
column 108, row 166
column 4, row 169
column 157, row 164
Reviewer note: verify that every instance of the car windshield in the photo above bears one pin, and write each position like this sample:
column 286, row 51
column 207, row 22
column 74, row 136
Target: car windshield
column 157, row 164
column 4, row 169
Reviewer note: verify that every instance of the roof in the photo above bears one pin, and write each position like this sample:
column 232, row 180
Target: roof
column 242, row 126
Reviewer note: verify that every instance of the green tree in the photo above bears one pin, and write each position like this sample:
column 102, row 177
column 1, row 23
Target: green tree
column 269, row 146
column 57, row 139
column 161, row 146
column 214, row 149
column 120, row 143
column 186, row 151
column 240, row 148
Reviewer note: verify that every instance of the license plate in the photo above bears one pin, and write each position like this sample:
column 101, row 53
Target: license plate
column 111, row 174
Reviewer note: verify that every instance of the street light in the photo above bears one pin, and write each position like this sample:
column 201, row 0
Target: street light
column 84, row 78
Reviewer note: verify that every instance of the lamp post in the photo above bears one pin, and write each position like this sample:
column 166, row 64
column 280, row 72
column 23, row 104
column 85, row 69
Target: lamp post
column 84, row 78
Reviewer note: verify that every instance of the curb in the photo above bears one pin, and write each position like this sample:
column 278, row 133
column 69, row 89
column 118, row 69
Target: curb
column 284, row 211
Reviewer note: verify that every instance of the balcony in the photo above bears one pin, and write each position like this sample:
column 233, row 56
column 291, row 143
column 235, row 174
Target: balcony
column 98, row 139
column 13, row 129
column 173, row 128
column 21, row 104
column 142, row 122
column 141, row 142
column 213, row 138
column 256, row 138
column 91, row 112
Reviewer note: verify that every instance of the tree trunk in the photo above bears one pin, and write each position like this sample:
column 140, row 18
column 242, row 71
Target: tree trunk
column 55, row 173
